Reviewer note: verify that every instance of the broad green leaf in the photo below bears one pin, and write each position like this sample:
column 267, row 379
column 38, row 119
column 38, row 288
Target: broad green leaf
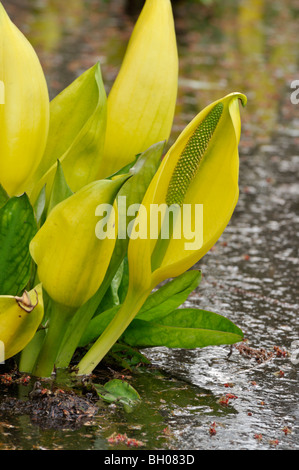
column 119, row 391
column 187, row 328
column 160, row 303
column 17, row 228
column 170, row 296
column 76, row 135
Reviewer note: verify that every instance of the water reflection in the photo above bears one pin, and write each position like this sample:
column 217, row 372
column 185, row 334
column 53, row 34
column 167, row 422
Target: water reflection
column 242, row 49
column 247, row 46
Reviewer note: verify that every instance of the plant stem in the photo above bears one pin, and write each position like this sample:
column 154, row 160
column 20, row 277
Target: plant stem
column 112, row 333
column 60, row 316
column 30, row 353
column 82, row 317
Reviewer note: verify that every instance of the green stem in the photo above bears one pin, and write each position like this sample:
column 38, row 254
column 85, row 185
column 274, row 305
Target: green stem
column 30, row 353
column 112, row 333
column 60, row 316
column 82, row 317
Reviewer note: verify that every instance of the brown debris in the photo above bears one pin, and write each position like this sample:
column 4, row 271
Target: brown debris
column 260, row 355
column 52, row 409
column 117, row 438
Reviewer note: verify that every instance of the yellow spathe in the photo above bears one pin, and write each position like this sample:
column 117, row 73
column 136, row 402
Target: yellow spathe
column 20, row 317
column 141, row 103
column 202, row 167
column 213, row 183
column 24, row 116
column 71, row 260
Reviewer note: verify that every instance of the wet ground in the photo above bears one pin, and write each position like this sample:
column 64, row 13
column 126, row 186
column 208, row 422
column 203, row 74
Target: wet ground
column 213, row 398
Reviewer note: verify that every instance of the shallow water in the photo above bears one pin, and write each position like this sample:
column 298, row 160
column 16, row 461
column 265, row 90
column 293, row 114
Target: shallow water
column 251, row 275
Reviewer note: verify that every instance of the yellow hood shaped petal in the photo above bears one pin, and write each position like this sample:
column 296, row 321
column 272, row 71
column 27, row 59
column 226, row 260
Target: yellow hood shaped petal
column 200, row 168
column 24, row 116
column 20, row 317
column 141, row 103
column 72, row 261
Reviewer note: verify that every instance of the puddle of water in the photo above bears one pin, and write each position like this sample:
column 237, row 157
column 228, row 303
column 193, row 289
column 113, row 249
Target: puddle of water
column 251, row 275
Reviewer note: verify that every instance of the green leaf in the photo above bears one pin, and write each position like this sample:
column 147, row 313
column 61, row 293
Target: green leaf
column 40, row 206
column 76, row 136
column 120, row 391
column 125, row 169
column 111, row 297
column 60, row 189
column 187, row 328
column 159, row 304
column 17, row 228
column 170, row 296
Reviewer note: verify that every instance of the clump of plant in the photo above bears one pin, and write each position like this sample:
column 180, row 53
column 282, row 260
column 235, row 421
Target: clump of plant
column 93, row 219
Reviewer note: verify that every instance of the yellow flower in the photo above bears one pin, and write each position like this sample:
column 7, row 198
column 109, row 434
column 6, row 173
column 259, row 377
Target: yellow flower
column 76, row 135
column 141, row 103
column 200, row 170
column 20, row 317
column 71, row 260
column 24, row 116
column 202, row 167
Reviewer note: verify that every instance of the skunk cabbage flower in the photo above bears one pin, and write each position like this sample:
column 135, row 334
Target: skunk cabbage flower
column 201, row 168
column 24, row 116
column 20, row 317
column 76, row 134
column 141, row 103
column 71, row 260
